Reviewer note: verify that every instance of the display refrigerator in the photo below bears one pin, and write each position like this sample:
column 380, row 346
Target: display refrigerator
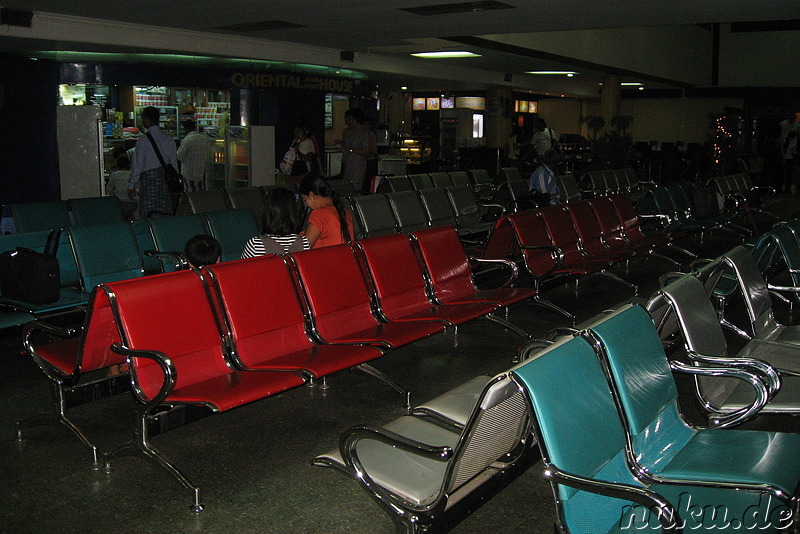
column 241, row 156
column 80, row 151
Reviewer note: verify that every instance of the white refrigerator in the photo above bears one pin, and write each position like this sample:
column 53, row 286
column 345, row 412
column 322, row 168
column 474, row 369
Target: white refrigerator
column 80, row 151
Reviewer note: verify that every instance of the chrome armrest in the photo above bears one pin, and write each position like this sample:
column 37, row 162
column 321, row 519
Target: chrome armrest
column 178, row 258
column 532, row 347
column 508, row 263
column 348, row 445
column 741, row 415
column 666, row 513
column 168, row 371
column 785, row 289
column 767, row 372
column 51, row 372
column 669, row 277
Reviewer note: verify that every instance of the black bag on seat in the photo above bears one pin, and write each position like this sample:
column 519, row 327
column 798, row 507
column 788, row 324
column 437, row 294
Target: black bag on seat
column 29, row 276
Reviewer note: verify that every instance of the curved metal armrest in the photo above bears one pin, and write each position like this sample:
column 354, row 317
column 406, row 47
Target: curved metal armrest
column 167, row 369
column 663, row 218
column 766, row 372
column 555, row 252
column 698, row 264
column 52, row 372
column 735, row 417
column 508, row 263
column 532, row 347
column 348, row 445
column 668, row 277
column 666, row 513
column 178, row 258
column 785, row 289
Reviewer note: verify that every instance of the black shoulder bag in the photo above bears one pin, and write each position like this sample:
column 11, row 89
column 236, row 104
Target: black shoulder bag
column 171, row 175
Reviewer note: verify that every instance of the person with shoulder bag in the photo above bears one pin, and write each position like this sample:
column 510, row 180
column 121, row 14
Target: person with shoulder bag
column 147, row 168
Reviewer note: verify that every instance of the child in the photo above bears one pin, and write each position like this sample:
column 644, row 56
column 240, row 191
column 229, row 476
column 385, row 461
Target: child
column 202, row 250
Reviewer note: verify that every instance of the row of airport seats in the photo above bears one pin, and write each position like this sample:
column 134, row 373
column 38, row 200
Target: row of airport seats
column 53, row 214
column 611, row 181
column 739, row 190
column 601, row 407
column 685, row 206
column 98, row 253
column 407, row 211
column 578, row 239
column 236, row 332
column 610, row 432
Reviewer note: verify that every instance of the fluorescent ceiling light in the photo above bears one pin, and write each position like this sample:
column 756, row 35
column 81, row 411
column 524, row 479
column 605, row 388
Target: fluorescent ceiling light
column 557, row 72
column 631, row 84
column 446, row 54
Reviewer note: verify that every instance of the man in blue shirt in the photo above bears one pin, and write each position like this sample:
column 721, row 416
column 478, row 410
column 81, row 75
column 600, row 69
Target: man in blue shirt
column 146, row 170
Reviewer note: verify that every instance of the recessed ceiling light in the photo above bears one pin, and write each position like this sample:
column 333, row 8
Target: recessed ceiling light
column 556, row 72
column 403, row 88
column 445, row 54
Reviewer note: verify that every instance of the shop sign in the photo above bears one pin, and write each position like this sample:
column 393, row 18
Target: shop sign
column 292, row 81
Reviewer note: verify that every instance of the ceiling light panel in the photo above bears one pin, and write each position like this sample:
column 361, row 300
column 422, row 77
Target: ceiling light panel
column 445, row 54
column 460, row 7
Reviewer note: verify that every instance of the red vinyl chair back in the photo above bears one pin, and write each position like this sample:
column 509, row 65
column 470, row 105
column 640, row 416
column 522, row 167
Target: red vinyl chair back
column 169, row 313
column 501, row 243
column 396, row 273
column 587, row 226
column 446, row 263
column 335, row 289
column 260, row 307
column 627, row 215
column 530, row 230
column 562, row 233
column 607, row 217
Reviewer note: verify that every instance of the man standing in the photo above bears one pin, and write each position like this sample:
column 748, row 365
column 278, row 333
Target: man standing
column 146, row 170
column 544, row 138
column 193, row 155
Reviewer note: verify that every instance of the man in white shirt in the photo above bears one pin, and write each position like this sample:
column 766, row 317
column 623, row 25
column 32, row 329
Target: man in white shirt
column 544, row 138
column 193, row 155
column 146, row 170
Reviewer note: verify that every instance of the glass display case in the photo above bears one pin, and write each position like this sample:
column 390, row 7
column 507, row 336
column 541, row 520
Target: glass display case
column 168, row 121
column 230, row 158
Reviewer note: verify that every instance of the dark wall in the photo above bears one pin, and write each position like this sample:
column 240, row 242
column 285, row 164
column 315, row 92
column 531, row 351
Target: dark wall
column 282, row 108
column 29, row 149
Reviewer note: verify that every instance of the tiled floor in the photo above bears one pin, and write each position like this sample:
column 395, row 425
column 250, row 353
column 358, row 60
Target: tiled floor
column 252, row 464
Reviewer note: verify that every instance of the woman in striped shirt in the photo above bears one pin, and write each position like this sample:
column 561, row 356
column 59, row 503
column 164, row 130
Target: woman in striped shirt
column 284, row 215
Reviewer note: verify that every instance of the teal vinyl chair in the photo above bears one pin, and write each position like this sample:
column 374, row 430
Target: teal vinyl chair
column 586, row 455
column 96, row 210
column 105, row 253
column 37, row 216
column 170, row 235
column 70, row 295
column 233, row 228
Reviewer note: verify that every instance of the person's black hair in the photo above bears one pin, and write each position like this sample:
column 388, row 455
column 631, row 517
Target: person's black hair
column 357, row 115
column 541, row 122
column 203, row 250
column 284, row 212
column 189, row 125
column 152, row 114
column 314, row 183
column 123, row 162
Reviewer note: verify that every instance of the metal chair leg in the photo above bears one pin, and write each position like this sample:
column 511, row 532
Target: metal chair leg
column 56, row 418
column 507, row 324
column 371, row 371
column 140, row 447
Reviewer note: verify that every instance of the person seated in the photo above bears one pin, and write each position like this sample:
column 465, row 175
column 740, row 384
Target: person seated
column 202, row 250
column 283, row 217
column 329, row 222
column 544, row 189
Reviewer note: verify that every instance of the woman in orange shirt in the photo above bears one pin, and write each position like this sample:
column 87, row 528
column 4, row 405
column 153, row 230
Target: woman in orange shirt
column 329, row 223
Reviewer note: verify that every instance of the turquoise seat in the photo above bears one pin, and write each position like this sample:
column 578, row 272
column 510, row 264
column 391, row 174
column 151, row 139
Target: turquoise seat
column 662, row 441
column 70, row 295
column 96, row 210
column 36, row 216
column 232, row 228
column 105, row 253
column 170, row 235
column 583, row 445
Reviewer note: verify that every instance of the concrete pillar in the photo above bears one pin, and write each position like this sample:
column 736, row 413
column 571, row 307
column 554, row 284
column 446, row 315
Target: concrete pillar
column 497, row 117
column 609, row 101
